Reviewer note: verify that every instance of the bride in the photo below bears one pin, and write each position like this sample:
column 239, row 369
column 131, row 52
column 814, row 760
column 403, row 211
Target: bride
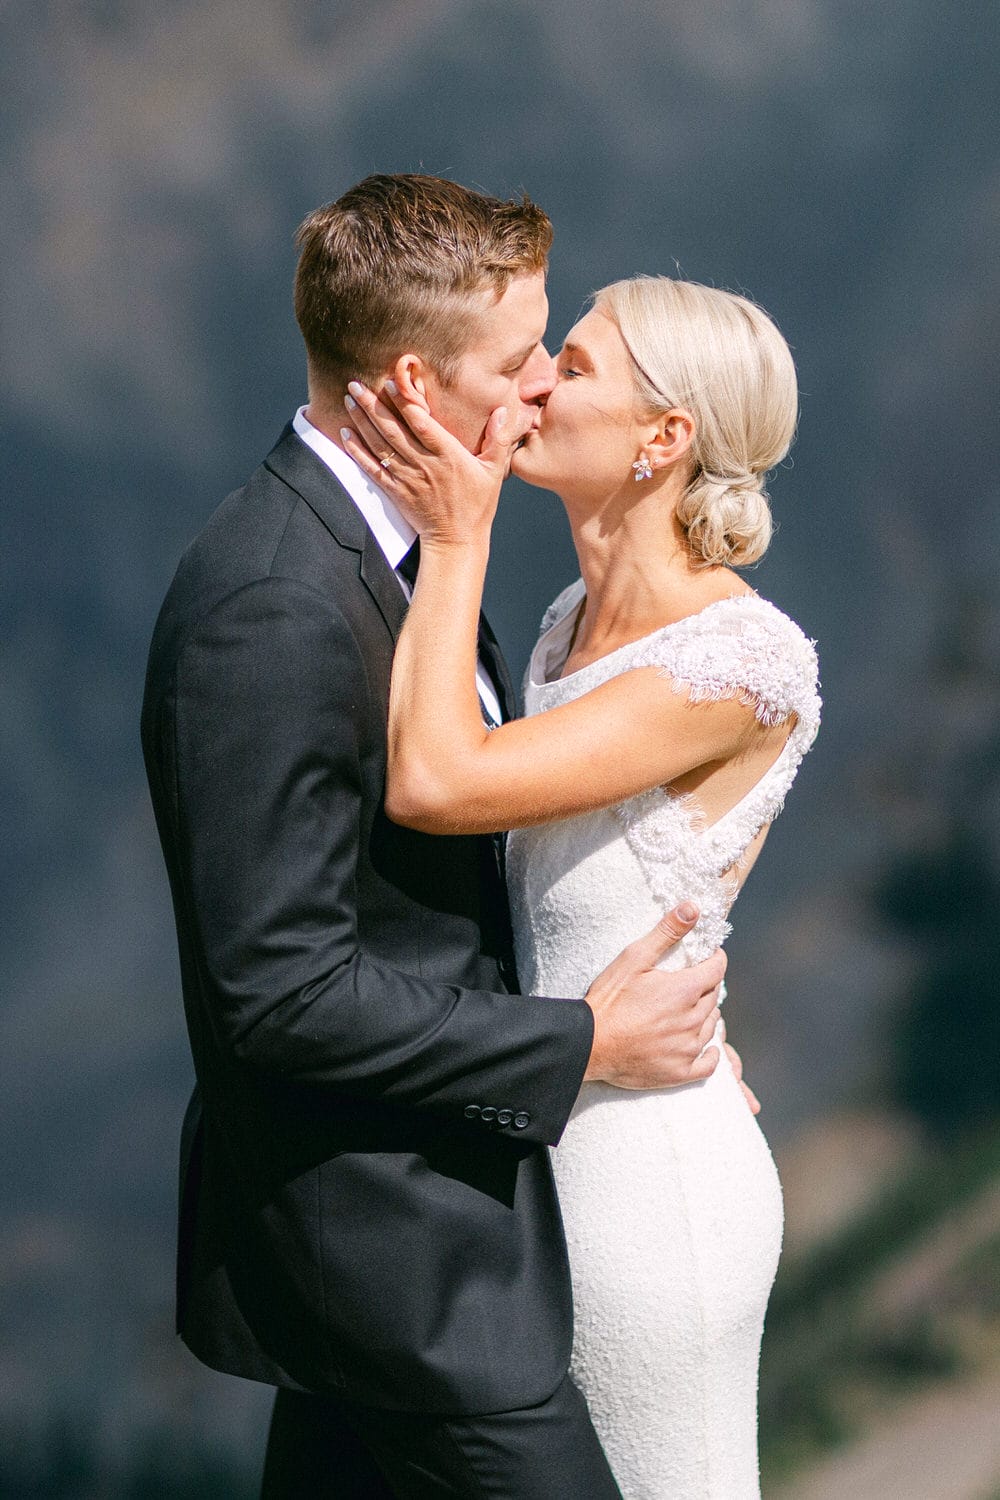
column 667, row 708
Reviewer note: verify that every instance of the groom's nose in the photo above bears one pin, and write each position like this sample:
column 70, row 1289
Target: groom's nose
column 539, row 377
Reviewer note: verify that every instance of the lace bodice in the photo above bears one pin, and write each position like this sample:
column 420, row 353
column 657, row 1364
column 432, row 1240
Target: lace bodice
column 742, row 647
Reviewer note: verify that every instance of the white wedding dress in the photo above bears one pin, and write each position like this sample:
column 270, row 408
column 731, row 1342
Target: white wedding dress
column 670, row 1199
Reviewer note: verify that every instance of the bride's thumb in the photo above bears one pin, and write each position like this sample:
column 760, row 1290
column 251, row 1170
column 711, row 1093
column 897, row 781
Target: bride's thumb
column 497, row 439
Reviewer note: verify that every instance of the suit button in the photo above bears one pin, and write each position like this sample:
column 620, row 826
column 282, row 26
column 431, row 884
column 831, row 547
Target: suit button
column 488, row 1115
column 522, row 1119
column 504, row 1116
column 472, row 1111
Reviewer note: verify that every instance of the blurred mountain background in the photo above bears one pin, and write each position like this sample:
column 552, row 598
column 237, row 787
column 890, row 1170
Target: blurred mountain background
column 836, row 161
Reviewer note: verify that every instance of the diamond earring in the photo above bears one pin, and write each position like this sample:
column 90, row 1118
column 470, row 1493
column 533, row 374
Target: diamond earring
column 643, row 468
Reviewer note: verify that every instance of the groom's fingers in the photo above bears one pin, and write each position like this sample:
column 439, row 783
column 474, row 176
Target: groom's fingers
column 750, row 1097
column 672, row 926
column 707, row 1032
column 705, row 1065
column 705, row 977
column 736, row 1063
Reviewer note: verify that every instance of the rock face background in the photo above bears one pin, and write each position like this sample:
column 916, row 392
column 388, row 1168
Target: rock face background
column 837, row 162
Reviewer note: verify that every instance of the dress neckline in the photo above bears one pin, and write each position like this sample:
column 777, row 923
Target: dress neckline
column 547, row 639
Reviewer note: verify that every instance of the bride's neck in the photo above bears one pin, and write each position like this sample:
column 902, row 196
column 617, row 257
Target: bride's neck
column 637, row 570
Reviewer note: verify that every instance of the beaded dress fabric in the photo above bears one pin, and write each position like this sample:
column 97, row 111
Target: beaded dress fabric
column 670, row 1198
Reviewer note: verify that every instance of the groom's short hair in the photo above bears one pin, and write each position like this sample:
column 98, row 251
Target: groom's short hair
column 392, row 265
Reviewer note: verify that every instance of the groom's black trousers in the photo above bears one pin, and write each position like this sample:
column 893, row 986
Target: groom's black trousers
column 321, row 1448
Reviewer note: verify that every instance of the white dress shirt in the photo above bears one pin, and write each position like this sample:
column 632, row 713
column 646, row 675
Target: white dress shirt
column 389, row 527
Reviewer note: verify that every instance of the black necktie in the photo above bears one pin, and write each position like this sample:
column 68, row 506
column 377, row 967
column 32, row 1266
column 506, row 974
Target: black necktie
column 411, row 562
column 408, row 569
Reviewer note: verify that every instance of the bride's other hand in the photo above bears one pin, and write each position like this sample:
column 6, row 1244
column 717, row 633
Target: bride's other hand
column 447, row 493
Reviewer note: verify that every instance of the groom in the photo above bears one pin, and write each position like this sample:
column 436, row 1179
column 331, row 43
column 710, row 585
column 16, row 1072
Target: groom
column 367, row 1216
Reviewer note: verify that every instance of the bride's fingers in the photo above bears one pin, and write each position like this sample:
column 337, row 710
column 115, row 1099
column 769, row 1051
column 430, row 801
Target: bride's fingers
column 380, row 426
column 380, row 470
column 497, row 439
column 381, row 436
column 404, row 425
column 394, row 473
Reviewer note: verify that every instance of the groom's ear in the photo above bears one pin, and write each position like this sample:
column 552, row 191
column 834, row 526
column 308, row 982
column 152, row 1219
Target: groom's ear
column 411, row 373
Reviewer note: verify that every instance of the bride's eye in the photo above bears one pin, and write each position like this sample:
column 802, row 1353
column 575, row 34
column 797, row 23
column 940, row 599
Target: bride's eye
column 569, row 372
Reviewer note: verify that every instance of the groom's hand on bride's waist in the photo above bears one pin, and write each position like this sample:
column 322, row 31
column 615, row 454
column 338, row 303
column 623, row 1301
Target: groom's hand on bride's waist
column 653, row 1027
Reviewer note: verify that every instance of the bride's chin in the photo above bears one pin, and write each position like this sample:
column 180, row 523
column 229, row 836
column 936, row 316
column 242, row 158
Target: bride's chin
column 520, row 463
column 528, row 463
column 524, row 465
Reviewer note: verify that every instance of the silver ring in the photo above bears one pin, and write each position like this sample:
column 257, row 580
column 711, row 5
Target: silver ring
column 386, row 463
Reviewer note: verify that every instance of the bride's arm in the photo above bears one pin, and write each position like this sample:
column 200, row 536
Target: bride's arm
column 447, row 773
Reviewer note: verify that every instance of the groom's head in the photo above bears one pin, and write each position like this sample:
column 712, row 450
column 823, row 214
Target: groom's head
column 442, row 289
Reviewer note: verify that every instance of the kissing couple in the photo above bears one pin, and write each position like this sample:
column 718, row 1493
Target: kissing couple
column 470, row 1173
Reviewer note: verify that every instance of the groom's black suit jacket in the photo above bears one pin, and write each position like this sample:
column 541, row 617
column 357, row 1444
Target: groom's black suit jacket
column 367, row 1206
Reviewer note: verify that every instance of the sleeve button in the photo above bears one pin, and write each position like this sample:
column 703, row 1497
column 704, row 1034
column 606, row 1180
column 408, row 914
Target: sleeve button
column 471, row 1111
column 488, row 1115
column 504, row 1116
column 522, row 1119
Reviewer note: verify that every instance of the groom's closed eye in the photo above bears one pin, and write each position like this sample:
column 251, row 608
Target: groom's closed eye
column 520, row 363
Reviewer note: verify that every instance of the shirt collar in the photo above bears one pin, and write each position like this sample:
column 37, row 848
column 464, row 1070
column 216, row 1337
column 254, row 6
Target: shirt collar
column 388, row 525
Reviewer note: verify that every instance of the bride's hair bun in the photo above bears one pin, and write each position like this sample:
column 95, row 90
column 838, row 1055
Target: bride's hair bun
column 727, row 520
column 721, row 358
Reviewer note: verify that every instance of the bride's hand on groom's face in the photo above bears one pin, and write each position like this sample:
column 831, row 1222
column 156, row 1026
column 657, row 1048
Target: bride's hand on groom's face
column 447, row 493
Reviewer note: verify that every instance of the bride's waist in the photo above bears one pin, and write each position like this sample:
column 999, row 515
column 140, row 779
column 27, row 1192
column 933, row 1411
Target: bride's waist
column 598, row 1093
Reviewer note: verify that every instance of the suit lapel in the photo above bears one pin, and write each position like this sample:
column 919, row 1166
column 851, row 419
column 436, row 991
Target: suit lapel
column 297, row 465
column 383, row 585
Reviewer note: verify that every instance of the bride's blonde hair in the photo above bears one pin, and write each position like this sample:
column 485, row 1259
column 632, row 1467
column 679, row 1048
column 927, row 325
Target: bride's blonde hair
column 721, row 358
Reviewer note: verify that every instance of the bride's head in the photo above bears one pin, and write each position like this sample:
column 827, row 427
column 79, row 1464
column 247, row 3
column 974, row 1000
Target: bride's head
column 694, row 383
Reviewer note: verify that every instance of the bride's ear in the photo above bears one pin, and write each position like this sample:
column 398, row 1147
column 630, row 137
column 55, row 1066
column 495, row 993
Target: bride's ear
column 411, row 373
column 672, row 440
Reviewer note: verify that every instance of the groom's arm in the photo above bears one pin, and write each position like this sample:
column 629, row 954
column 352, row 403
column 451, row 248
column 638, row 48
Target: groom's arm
column 259, row 744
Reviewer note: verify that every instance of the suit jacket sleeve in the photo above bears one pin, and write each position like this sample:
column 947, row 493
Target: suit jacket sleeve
column 264, row 727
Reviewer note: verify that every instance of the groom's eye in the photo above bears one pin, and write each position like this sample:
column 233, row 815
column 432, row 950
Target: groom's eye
column 519, row 361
